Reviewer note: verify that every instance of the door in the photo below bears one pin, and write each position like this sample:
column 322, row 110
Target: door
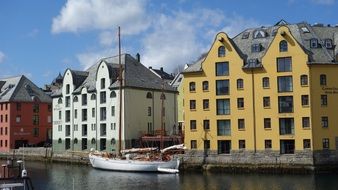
column 20, row 143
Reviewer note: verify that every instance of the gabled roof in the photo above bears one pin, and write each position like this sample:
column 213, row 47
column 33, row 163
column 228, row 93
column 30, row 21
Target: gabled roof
column 162, row 74
column 21, row 89
column 244, row 42
column 135, row 75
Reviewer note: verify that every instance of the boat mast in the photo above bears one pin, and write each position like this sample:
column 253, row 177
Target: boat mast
column 162, row 113
column 120, row 92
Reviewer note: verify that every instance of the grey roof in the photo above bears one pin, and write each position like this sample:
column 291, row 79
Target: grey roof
column 21, row 89
column 177, row 80
column 135, row 75
column 316, row 55
column 163, row 74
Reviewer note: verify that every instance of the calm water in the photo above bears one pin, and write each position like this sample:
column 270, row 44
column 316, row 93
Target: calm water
column 63, row 176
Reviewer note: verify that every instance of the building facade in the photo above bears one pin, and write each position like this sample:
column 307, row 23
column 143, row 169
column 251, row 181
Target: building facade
column 25, row 114
column 86, row 108
column 268, row 95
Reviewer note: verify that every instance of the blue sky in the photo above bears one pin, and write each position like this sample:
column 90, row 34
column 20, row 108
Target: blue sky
column 42, row 38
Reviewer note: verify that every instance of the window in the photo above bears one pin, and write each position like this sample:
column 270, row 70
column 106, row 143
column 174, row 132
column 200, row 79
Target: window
column 206, row 124
column 223, row 106
column 18, row 118
column 240, row 103
column 266, row 82
column 287, row 146
column 84, row 99
column 326, row 143
column 60, row 101
column 285, row 104
column 49, row 107
column 255, row 48
column 222, row 69
column 113, row 111
column 267, row 123
column 283, row 46
column 75, row 141
column 102, row 97
column 222, row 87
column 284, row 64
column 36, row 108
column 205, row 85
column 305, row 100
column 328, row 43
column 206, row 144
column 241, row 124
column 221, row 51
column 192, row 124
column 224, row 146
column 35, row 132
column 103, row 83
column 240, row 84
column 266, row 102
column 223, row 128
column 245, row 35
column 84, row 114
column 149, row 111
column 259, row 34
column 60, row 141
column 75, row 113
column 323, row 100
column 93, row 97
column 76, row 128
column 241, row 144
column 84, row 130
column 192, row 86
column 93, row 141
column 162, row 96
column 36, row 119
column 325, row 122
column 112, row 94
column 103, row 114
column 206, row 104
column 59, row 127
column 193, row 104
column 149, row 95
column 303, row 80
column 67, row 116
column 67, row 101
column 75, row 99
column 285, row 84
column 67, row 131
column 193, row 144
column 268, row 144
column 67, row 89
column 313, row 43
column 286, row 126
column 18, row 106
column 305, row 122
column 306, row 143
column 103, row 129
column 113, row 126
column 322, row 79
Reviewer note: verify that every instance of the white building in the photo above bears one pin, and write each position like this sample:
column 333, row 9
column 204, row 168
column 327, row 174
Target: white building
column 86, row 108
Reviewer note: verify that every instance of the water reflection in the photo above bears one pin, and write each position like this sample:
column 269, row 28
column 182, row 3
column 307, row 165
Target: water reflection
column 61, row 176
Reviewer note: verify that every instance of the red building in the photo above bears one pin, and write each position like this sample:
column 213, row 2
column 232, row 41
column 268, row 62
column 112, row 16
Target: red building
column 25, row 114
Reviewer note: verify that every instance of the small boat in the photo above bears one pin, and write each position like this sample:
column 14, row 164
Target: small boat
column 138, row 160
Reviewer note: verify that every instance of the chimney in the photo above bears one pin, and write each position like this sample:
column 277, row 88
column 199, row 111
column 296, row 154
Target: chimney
column 150, row 67
column 138, row 57
column 161, row 69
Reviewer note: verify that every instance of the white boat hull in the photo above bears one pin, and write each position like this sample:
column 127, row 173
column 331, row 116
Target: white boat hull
column 133, row 165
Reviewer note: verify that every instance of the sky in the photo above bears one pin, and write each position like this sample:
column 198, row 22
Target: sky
column 40, row 39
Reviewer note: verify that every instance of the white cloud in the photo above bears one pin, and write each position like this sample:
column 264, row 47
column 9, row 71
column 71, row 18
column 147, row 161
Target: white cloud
column 178, row 38
column 106, row 38
column 235, row 24
column 324, row 2
column 2, row 57
column 88, row 59
column 33, row 33
column 84, row 15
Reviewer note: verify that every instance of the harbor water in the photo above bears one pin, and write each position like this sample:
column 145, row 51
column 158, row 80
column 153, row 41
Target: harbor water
column 50, row 176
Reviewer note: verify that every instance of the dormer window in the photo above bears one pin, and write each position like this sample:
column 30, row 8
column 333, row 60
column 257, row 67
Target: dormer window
column 259, row 34
column 221, row 51
column 245, row 35
column 313, row 43
column 67, row 88
column 305, row 29
column 283, row 46
column 328, row 43
column 256, row 48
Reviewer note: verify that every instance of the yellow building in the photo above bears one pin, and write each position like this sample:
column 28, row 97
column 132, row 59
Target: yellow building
column 268, row 95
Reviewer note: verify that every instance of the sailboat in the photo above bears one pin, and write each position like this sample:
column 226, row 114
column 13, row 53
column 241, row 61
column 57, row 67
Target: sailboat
column 137, row 159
